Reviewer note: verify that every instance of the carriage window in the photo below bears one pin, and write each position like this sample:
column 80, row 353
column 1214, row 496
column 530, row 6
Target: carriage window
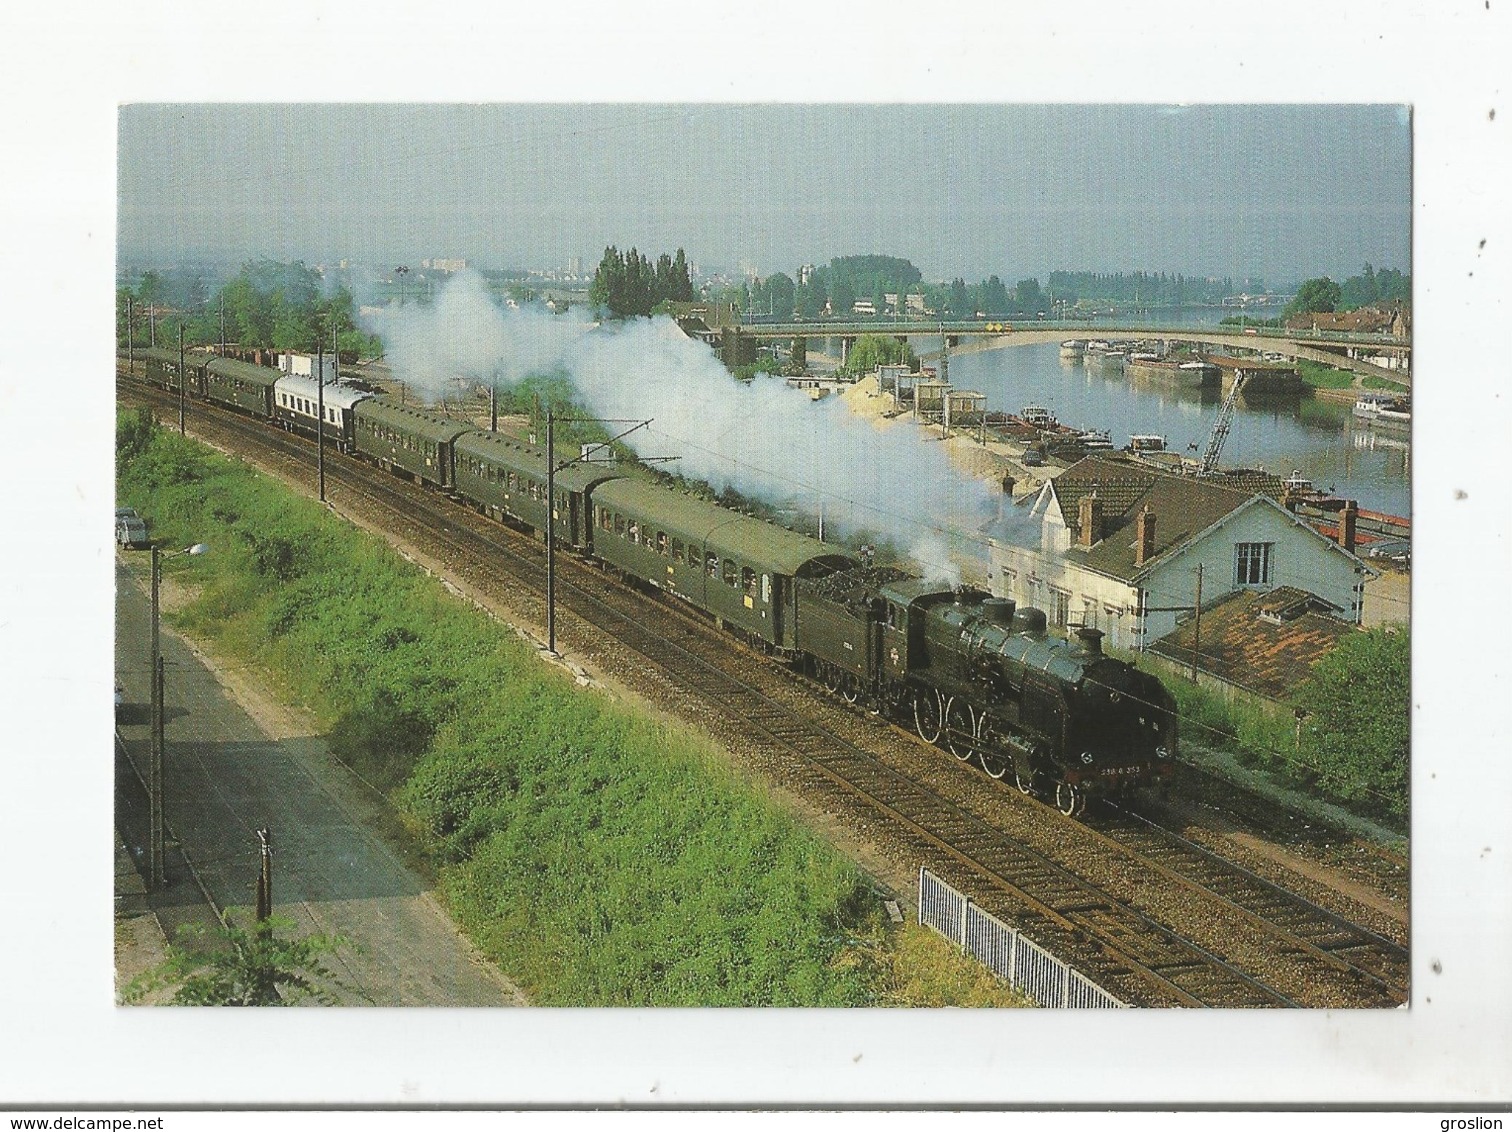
column 711, row 564
column 634, row 532
column 748, row 579
column 766, row 587
column 677, row 550
column 661, row 542
column 619, row 525
column 729, row 573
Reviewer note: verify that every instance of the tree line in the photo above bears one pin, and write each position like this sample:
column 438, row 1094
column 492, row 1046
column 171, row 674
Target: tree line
column 1369, row 288
column 266, row 305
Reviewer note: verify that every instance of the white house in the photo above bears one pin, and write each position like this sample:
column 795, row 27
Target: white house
column 1119, row 546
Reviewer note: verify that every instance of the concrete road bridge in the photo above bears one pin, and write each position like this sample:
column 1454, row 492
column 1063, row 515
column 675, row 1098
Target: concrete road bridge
column 1328, row 347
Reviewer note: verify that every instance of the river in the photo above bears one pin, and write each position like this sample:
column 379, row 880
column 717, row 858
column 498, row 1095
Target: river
column 1281, row 433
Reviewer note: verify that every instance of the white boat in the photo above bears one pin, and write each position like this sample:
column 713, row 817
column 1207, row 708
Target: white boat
column 1146, row 442
column 1074, row 348
column 1038, row 416
column 1384, row 409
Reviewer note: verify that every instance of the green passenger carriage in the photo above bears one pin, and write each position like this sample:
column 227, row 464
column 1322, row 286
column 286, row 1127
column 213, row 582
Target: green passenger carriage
column 410, row 439
column 241, row 385
column 504, row 477
column 741, row 570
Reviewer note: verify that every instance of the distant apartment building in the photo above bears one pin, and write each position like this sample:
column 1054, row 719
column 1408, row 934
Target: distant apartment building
column 446, row 265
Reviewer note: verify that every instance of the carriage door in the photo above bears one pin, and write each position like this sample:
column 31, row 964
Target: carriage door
column 776, row 594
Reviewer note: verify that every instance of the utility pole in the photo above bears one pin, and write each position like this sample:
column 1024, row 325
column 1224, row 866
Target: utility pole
column 320, row 413
column 493, row 404
column 1197, row 625
column 155, row 838
column 265, row 874
column 181, row 379
column 223, row 324
column 130, row 353
column 551, row 531
column 551, row 471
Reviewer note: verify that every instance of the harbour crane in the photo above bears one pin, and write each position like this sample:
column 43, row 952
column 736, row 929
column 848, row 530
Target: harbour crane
column 1222, row 425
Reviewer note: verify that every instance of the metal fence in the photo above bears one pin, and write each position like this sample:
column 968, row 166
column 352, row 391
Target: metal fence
column 1012, row 957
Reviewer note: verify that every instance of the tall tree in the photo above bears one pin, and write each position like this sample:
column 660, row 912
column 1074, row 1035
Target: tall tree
column 958, row 304
column 1315, row 296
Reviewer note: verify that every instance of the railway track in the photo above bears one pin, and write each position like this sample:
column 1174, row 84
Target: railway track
column 1318, row 959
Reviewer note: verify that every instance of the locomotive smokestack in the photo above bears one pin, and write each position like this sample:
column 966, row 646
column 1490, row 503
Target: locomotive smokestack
column 1090, row 641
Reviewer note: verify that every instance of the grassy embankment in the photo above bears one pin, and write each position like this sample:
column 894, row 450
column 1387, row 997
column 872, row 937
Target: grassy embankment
column 598, row 858
column 1319, row 376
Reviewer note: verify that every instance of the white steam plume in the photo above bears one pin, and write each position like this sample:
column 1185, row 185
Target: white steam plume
column 761, row 438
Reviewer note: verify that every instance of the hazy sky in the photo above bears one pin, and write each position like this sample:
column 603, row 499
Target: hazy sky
column 1285, row 192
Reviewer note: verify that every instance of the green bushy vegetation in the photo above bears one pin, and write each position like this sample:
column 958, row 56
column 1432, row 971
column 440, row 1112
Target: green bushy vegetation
column 599, row 858
column 1350, row 745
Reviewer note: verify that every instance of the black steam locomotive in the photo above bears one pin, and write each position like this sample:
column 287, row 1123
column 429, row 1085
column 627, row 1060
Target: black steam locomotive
column 984, row 680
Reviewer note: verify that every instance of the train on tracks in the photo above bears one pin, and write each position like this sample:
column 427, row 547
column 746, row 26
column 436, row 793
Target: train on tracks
column 969, row 672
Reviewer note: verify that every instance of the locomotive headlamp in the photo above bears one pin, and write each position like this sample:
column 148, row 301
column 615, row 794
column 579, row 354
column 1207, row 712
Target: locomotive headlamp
column 1087, row 757
column 1162, row 752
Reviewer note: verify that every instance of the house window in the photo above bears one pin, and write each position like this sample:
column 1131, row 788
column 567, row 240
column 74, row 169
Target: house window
column 1089, row 613
column 1057, row 606
column 1252, row 563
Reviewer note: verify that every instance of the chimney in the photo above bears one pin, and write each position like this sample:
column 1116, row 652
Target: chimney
column 1144, row 536
column 1347, row 518
column 1089, row 520
column 1005, row 500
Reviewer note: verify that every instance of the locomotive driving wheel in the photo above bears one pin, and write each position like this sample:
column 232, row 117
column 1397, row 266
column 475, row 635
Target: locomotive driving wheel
column 1024, row 782
column 927, row 715
column 1070, row 800
column 959, row 730
column 992, row 758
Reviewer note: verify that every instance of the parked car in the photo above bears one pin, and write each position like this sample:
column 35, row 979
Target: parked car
column 130, row 529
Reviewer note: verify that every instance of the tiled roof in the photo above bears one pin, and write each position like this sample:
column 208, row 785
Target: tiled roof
column 1183, row 507
column 1266, row 643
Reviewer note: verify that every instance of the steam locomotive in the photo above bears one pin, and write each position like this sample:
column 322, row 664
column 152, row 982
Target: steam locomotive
column 967, row 671
column 984, row 679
